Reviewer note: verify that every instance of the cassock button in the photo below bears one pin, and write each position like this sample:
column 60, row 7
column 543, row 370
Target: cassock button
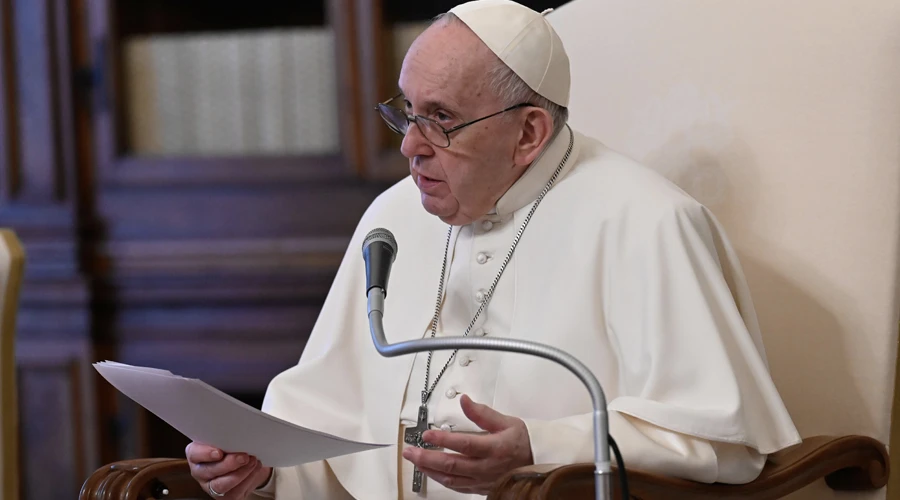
column 446, row 428
column 479, row 296
column 451, row 393
column 487, row 225
column 464, row 360
column 481, row 258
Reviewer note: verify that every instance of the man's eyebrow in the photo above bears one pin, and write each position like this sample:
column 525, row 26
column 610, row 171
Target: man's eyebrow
column 432, row 104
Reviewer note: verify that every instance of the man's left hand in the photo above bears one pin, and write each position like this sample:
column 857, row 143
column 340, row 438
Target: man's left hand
column 483, row 458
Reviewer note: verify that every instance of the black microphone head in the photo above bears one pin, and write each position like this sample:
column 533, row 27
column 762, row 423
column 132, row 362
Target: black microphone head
column 379, row 250
column 383, row 235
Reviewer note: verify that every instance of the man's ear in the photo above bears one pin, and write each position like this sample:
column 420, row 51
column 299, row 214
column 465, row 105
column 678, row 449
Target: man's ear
column 537, row 130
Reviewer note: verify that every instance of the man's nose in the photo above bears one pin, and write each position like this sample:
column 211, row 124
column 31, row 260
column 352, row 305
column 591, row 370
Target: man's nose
column 415, row 144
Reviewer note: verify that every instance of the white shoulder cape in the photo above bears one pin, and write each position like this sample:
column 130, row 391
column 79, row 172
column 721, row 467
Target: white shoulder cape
column 624, row 270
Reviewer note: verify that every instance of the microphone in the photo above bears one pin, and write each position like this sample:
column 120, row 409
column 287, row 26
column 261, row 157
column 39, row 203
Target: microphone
column 379, row 249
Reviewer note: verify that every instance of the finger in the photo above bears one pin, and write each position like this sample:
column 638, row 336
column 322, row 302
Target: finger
column 226, row 483
column 471, row 445
column 484, row 416
column 480, row 490
column 210, row 470
column 245, row 487
column 260, row 476
column 456, row 483
column 198, row 453
column 446, row 463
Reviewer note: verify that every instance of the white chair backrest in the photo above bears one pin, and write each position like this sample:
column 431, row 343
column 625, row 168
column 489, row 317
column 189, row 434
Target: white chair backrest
column 783, row 117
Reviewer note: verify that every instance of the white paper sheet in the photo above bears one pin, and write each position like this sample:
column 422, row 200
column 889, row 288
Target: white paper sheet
column 207, row 415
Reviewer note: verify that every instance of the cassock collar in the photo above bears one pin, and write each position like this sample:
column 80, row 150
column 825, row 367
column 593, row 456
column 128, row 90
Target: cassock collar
column 529, row 186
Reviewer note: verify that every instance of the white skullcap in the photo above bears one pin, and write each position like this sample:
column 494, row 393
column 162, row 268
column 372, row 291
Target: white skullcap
column 524, row 41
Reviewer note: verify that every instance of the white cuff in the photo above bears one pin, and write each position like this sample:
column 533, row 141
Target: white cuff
column 267, row 490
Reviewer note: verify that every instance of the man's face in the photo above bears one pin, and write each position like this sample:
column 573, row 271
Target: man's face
column 444, row 78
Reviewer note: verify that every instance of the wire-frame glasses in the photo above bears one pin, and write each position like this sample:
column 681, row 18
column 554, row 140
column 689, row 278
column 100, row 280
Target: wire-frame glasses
column 398, row 121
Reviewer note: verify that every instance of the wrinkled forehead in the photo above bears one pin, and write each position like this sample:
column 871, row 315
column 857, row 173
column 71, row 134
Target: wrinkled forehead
column 446, row 64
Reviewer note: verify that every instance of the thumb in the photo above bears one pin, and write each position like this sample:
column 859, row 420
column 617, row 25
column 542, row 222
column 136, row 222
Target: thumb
column 485, row 417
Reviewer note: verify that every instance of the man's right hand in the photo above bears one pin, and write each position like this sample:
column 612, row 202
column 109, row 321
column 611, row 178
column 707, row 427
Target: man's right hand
column 233, row 476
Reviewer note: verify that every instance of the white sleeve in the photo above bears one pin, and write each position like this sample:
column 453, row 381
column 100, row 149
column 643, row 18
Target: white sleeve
column 685, row 335
column 267, row 490
column 645, row 447
column 313, row 481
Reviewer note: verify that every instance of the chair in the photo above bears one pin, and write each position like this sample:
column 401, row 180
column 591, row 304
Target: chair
column 849, row 463
column 782, row 118
column 12, row 264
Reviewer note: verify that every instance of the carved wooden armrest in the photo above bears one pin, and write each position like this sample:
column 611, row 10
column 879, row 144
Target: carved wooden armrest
column 847, row 463
column 143, row 479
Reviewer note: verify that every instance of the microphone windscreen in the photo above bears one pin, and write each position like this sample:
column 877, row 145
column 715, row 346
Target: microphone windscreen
column 379, row 251
column 383, row 235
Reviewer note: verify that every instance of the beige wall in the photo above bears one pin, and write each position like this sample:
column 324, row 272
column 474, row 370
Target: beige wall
column 783, row 116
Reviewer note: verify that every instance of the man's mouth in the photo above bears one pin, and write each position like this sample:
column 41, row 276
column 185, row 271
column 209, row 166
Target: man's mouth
column 426, row 183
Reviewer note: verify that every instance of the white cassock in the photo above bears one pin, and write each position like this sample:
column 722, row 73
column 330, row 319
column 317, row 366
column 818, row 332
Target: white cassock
column 618, row 267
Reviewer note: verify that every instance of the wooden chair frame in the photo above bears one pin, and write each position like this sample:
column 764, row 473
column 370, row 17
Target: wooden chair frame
column 9, row 418
column 848, row 463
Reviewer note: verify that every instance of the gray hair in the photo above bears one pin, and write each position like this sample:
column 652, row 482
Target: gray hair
column 512, row 90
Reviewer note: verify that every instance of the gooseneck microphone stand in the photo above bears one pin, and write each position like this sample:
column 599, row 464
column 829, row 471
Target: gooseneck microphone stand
column 376, row 292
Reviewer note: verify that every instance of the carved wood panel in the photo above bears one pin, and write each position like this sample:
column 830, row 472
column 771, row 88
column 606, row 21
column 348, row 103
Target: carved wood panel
column 58, row 437
column 38, row 159
column 43, row 98
column 9, row 153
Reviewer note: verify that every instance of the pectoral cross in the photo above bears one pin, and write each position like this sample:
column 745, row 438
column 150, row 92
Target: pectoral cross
column 413, row 436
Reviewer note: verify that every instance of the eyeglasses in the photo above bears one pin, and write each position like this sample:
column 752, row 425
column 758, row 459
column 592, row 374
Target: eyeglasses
column 398, row 121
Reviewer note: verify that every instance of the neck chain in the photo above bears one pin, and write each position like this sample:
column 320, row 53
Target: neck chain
column 426, row 394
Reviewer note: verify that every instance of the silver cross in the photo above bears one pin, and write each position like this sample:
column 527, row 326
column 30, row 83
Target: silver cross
column 413, row 436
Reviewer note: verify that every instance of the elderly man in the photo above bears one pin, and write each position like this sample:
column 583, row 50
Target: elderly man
column 529, row 230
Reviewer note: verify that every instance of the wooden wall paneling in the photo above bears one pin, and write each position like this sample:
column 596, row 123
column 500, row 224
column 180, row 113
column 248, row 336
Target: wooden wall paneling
column 235, row 367
column 81, row 86
column 40, row 142
column 212, row 267
column 43, row 211
column 384, row 161
column 244, row 308
column 37, row 117
column 38, row 172
column 203, row 171
column 9, row 144
column 101, row 77
column 57, row 405
column 56, row 414
column 308, row 210
column 342, row 20
column 63, row 94
column 229, row 271
column 369, row 23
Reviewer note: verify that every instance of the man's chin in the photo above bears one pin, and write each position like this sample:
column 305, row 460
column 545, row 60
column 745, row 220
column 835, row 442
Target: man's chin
column 452, row 216
column 439, row 209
